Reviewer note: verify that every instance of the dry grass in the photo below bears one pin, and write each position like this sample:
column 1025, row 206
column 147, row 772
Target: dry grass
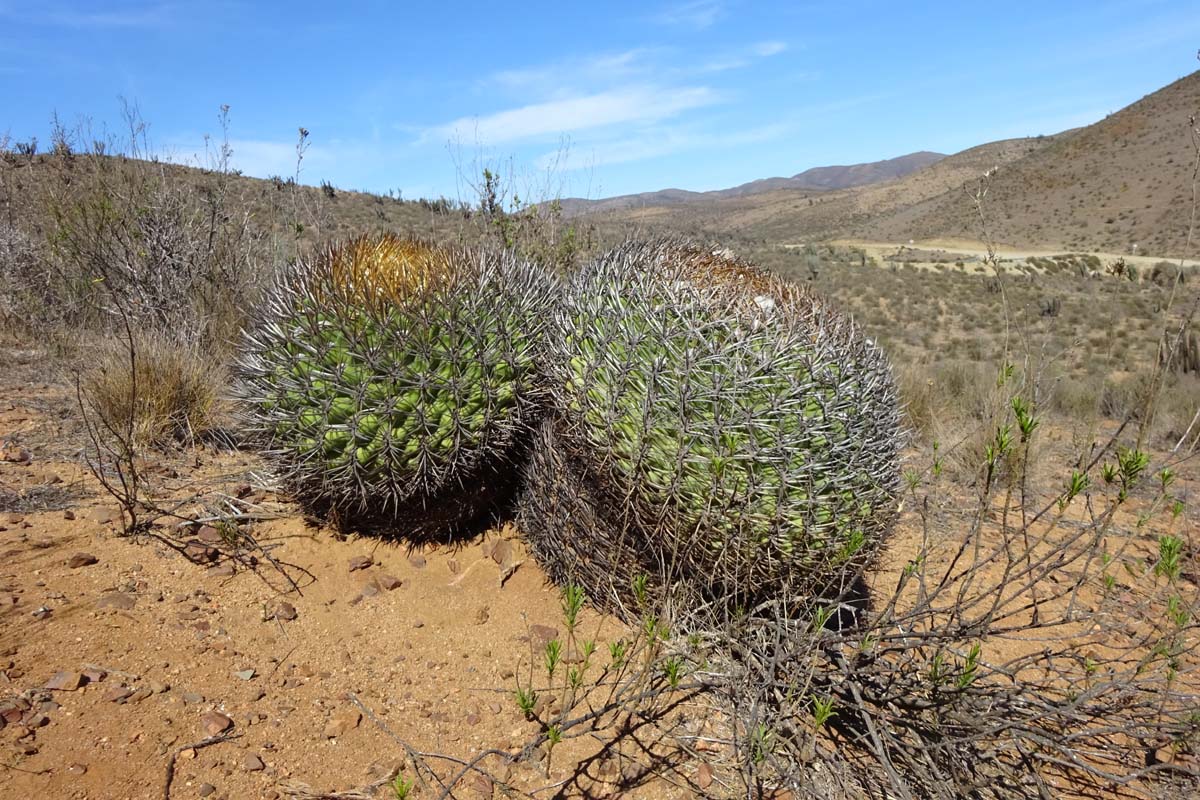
column 167, row 392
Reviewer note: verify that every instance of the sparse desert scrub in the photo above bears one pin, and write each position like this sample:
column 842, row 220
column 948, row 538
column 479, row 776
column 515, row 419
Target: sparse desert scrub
column 164, row 391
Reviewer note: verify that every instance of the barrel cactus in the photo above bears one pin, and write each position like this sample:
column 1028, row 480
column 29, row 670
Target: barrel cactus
column 728, row 431
column 392, row 380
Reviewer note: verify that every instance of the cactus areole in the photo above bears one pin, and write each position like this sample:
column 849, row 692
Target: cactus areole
column 748, row 431
column 391, row 379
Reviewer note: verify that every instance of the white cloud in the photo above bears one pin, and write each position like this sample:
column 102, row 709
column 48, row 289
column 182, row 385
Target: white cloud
column 628, row 105
column 768, row 49
column 655, row 142
column 695, row 14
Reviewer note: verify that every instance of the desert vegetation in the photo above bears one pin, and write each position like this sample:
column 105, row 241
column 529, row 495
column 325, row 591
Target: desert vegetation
column 995, row 594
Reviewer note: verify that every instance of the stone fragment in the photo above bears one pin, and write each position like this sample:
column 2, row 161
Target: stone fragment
column 214, row 722
column 81, row 560
column 341, row 722
column 66, row 681
column 360, row 562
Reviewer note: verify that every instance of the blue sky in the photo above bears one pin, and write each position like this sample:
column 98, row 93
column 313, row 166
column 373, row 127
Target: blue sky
column 583, row 99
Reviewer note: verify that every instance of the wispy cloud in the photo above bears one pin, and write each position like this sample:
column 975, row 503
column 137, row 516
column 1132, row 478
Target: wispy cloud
column 694, row 14
column 62, row 15
column 601, row 69
column 656, row 142
column 768, row 49
column 627, row 105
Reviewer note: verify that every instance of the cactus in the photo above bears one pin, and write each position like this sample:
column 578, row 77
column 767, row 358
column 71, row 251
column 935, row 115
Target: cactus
column 390, row 379
column 734, row 430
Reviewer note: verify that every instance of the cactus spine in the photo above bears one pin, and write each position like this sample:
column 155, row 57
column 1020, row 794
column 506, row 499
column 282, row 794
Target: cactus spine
column 741, row 435
column 391, row 379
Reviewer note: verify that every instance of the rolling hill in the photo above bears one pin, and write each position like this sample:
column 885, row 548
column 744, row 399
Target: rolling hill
column 1124, row 180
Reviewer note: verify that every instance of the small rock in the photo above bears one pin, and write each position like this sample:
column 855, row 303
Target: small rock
column 16, row 455
column 117, row 693
column 360, row 562
column 245, row 674
column 76, row 769
column 210, row 535
column 389, row 582
column 94, row 674
column 502, row 552
column 418, row 623
column 68, row 515
column 252, row 763
column 215, row 722
column 192, row 698
column 206, row 789
column 200, row 553
column 482, row 615
column 225, row 570
column 81, row 560
column 285, row 611
column 118, row 600
column 704, row 776
column 140, row 694
column 452, row 564
column 66, row 681
column 417, row 561
column 370, row 590
column 341, row 722
column 541, row 634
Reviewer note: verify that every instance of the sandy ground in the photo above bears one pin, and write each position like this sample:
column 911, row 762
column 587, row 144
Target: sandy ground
column 116, row 654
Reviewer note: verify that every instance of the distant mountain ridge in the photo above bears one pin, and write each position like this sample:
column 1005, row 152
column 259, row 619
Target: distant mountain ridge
column 829, row 178
column 1120, row 185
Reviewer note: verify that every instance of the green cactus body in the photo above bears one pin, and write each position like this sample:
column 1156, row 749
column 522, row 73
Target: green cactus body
column 387, row 376
column 750, row 431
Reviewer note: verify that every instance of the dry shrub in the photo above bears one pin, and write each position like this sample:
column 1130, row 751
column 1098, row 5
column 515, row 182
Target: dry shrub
column 156, row 389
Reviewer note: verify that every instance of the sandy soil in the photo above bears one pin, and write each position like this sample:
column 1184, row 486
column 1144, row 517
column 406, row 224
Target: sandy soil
column 146, row 653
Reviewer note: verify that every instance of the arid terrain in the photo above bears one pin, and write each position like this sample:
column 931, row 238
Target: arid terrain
column 1030, row 626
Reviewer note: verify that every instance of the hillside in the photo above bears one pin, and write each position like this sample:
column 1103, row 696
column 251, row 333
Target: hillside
column 785, row 215
column 1123, row 180
column 815, row 179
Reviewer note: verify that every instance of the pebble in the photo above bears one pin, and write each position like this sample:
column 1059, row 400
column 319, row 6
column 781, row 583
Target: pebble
column 66, row 681
column 76, row 769
column 215, row 722
column 285, row 611
column 82, row 560
column 389, row 582
column 360, row 562
column 417, row 561
column 117, row 694
column 252, row 763
column 206, row 789
column 341, row 722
